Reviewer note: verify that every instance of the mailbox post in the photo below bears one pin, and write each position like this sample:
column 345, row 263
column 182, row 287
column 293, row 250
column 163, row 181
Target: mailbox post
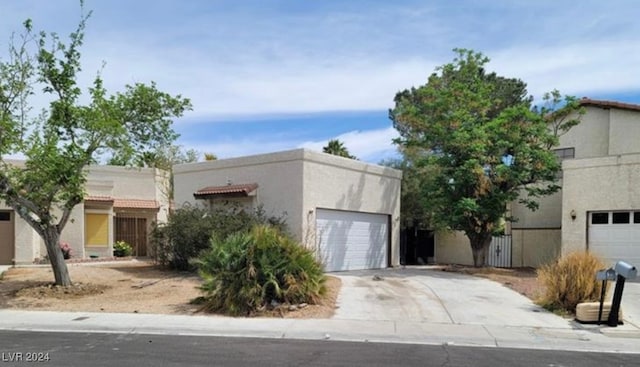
column 623, row 271
column 604, row 276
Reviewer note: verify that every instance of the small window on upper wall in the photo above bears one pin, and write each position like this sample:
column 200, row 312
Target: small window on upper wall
column 565, row 153
column 620, row 218
column 636, row 217
column 5, row 216
column 599, row 218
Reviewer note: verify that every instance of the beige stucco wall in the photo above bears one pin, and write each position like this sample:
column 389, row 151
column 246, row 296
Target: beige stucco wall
column 332, row 182
column 590, row 137
column 624, row 132
column 278, row 175
column 73, row 232
column 452, row 248
column 548, row 214
column 606, row 183
column 534, row 247
column 27, row 242
column 127, row 182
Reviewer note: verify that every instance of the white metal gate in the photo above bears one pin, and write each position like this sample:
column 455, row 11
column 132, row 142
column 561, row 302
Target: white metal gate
column 500, row 252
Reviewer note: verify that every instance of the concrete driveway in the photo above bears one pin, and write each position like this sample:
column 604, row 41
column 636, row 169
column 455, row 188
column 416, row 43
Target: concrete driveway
column 631, row 303
column 434, row 296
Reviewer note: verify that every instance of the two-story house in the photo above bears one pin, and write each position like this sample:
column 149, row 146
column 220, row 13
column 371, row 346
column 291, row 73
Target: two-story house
column 598, row 208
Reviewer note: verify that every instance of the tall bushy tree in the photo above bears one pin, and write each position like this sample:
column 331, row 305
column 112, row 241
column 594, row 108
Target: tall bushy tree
column 69, row 135
column 413, row 211
column 482, row 143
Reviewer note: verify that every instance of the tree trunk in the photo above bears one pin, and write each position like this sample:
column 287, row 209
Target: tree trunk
column 480, row 247
column 59, row 267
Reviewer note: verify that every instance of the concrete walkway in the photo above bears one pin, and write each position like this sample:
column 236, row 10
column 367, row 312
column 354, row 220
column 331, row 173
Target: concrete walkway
column 407, row 306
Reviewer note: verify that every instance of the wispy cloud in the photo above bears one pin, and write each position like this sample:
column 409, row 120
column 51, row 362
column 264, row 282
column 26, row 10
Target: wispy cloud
column 245, row 60
column 369, row 145
column 265, row 57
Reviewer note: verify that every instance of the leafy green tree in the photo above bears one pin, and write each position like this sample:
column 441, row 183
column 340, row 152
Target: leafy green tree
column 413, row 212
column 482, row 143
column 165, row 157
column 336, row 147
column 70, row 134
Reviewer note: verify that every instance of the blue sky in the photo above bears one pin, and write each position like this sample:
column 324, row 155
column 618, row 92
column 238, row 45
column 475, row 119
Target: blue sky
column 270, row 75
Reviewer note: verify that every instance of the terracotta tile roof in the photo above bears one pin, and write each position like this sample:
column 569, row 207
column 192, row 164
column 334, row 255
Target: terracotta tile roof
column 123, row 203
column 99, row 198
column 230, row 190
column 609, row 104
column 135, row 204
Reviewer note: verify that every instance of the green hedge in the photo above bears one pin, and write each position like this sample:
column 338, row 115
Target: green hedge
column 189, row 230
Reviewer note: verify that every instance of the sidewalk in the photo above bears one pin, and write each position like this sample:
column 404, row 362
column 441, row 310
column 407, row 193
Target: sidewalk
column 408, row 306
column 583, row 339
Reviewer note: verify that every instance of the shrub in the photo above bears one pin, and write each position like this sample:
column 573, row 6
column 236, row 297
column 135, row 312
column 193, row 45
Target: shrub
column 122, row 249
column 570, row 280
column 246, row 272
column 188, row 231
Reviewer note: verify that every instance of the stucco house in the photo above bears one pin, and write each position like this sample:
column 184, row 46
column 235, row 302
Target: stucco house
column 598, row 208
column 120, row 204
column 345, row 210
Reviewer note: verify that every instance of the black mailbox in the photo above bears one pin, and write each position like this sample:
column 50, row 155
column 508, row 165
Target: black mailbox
column 624, row 270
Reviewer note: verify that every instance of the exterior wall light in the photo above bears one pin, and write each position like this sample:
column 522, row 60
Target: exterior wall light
column 573, row 214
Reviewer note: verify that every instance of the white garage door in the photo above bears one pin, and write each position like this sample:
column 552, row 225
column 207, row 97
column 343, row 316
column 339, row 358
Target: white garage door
column 352, row 240
column 615, row 236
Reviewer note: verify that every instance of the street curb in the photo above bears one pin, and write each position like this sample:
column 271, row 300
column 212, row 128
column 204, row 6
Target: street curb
column 424, row 333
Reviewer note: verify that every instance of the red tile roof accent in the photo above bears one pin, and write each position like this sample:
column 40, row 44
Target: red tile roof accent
column 609, row 104
column 135, row 204
column 123, row 203
column 241, row 190
column 99, row 198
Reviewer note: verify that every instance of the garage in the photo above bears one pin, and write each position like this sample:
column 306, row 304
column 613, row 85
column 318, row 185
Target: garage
column 6, row 237
column 615, row 236
column 352, row 240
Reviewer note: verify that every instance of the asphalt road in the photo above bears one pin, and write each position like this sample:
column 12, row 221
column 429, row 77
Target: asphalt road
column 19, row 348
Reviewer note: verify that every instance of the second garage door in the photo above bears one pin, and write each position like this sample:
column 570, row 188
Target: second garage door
column 352, row 240
column 615, row 236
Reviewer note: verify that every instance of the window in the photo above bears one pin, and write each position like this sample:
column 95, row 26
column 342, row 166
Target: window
column 5, row 216
column 565, row 153
column 599, row 218
column 96, row 229
column 636, row 217
column 620, row 218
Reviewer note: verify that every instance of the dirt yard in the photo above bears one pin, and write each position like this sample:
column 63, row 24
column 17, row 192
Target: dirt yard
column 128, row 287
column 521, row 280
column 140, row 287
